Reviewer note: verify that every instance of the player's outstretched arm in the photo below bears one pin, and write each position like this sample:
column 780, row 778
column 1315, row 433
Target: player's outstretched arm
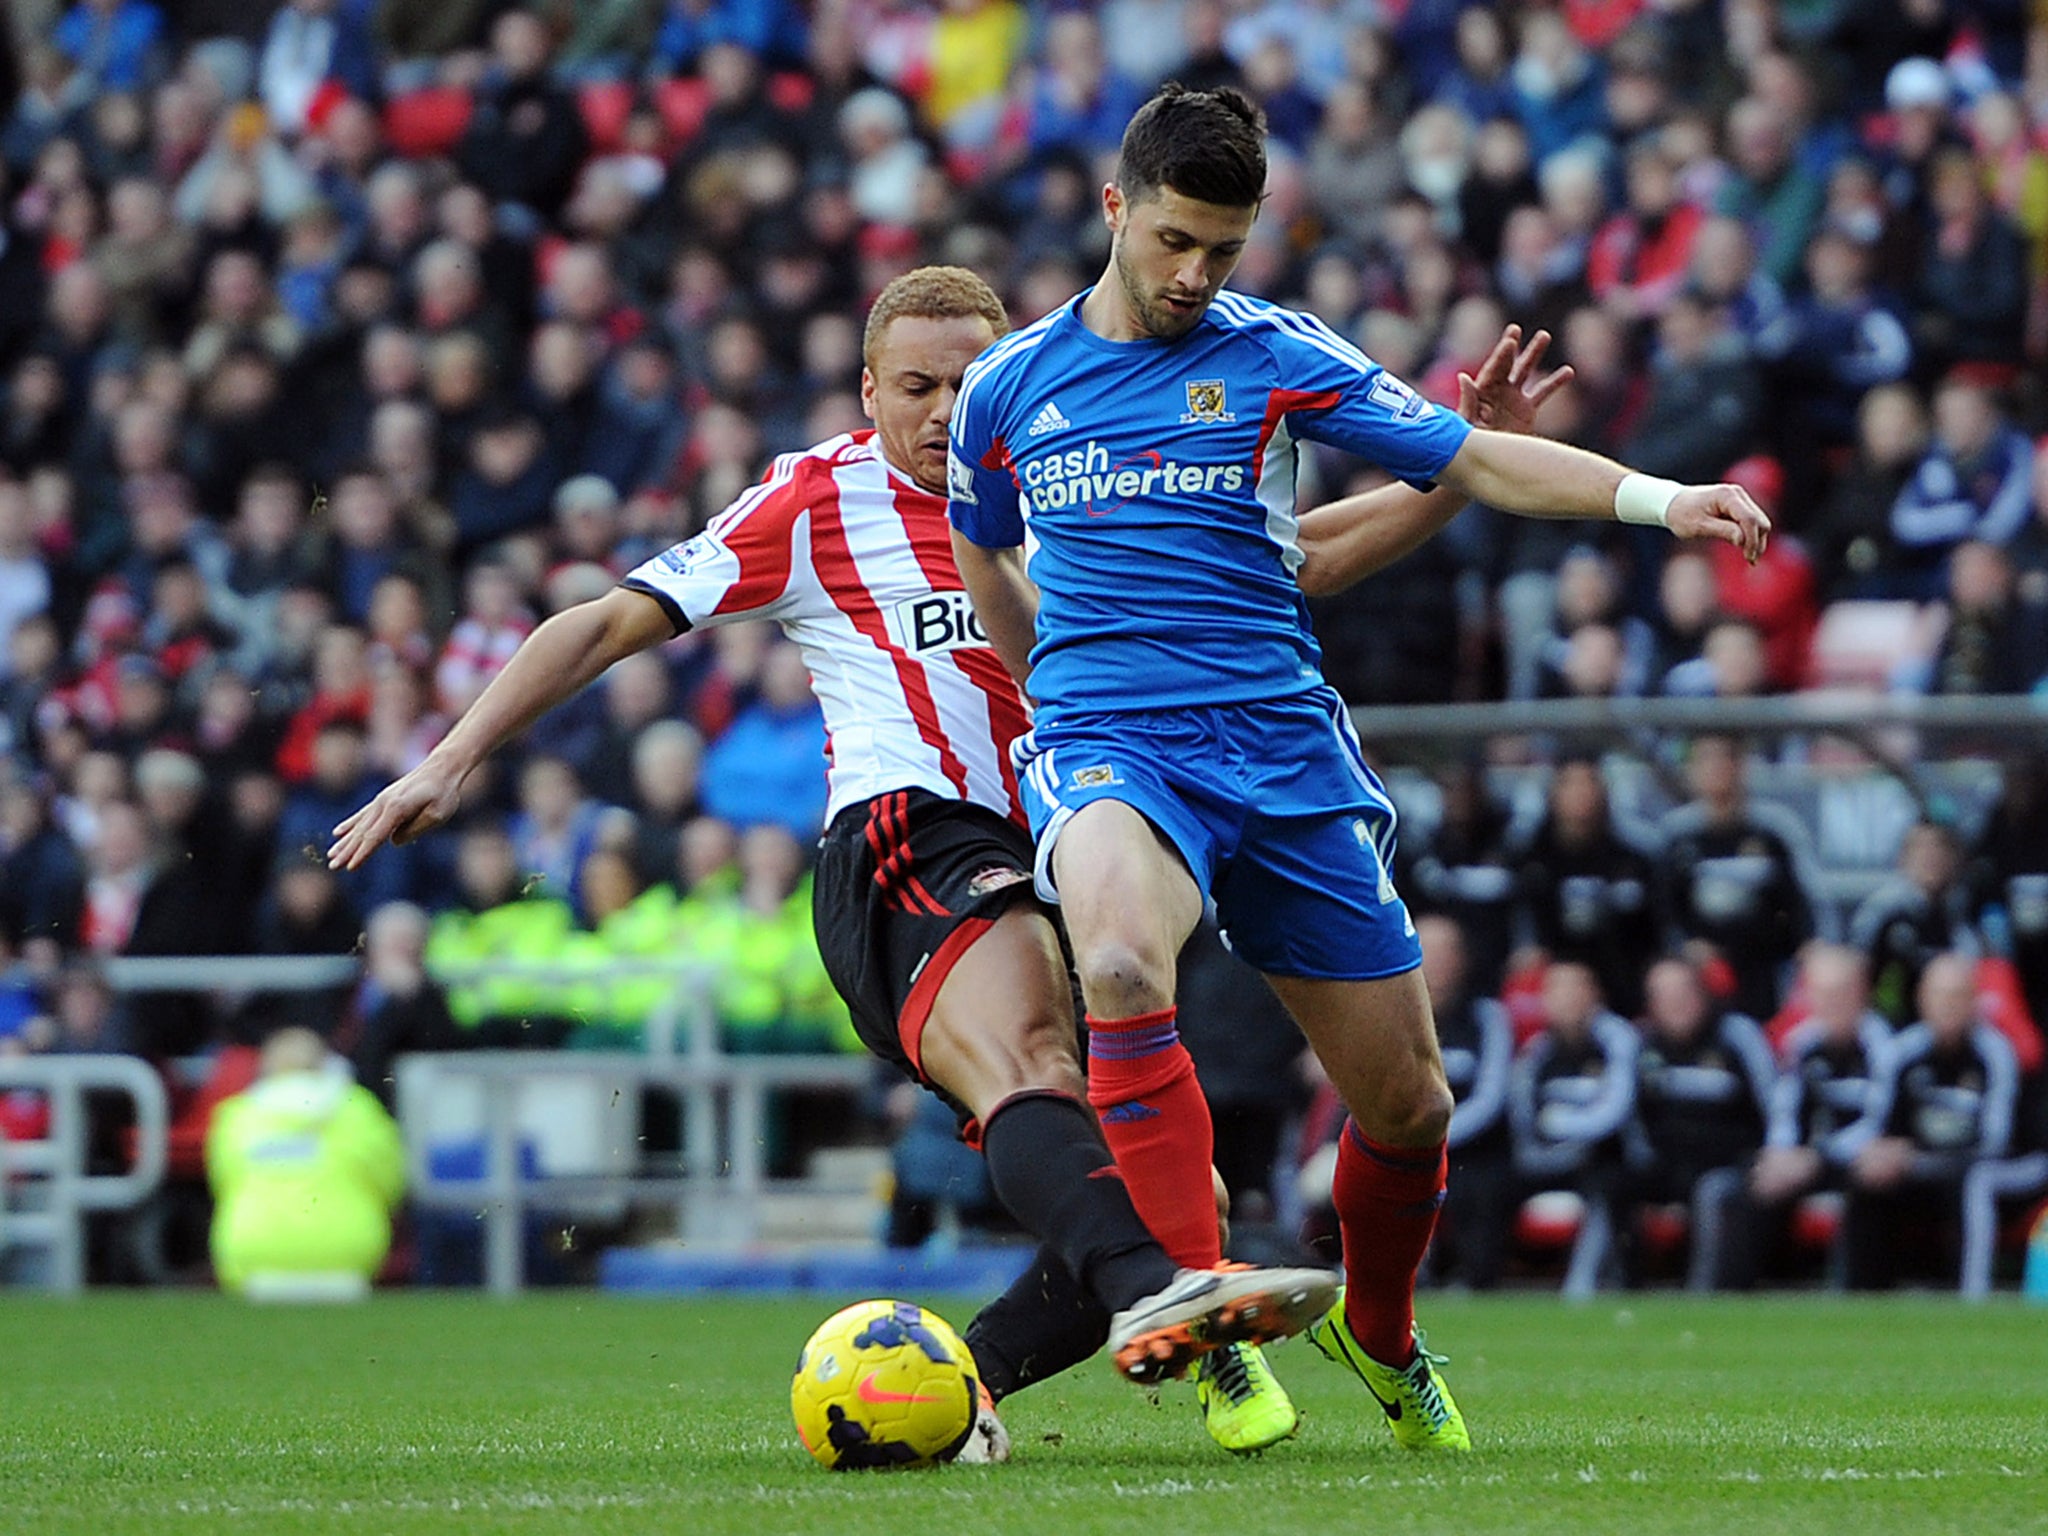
column 1004, row 598
column 1534, row 477
column 1343, row 542
column 569, row 651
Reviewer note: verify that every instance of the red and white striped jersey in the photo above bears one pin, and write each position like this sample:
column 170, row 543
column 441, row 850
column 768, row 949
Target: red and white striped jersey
column 855, row 561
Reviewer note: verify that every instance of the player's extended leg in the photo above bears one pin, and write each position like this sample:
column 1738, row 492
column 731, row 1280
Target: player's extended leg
column 1129, row 904
column 1377, row 1042
column 999, row 1037
column 1047, row 1321
column 1000, row 1040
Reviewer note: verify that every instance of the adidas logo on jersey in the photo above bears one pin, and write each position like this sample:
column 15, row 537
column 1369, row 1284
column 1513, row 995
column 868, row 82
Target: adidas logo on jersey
column 1047, row 420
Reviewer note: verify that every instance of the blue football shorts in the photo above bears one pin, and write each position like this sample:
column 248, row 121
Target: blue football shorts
column 1272, row 807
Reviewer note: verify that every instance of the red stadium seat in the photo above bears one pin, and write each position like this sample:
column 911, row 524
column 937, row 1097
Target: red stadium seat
column 192, row 1110
column 429, row 122
column 1860, row 644
column 1816, row 1220
column 1663, row 1228
column 24, row 1115
column 683, row 105
column 1550, row 1221
column 605, row 106
column 791, row 91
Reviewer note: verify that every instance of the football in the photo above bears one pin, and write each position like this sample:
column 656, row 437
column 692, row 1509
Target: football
column 883, row 1384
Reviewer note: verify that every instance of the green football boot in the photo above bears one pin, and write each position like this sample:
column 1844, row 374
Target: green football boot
column 1244, row 1407
column 1415, row 1400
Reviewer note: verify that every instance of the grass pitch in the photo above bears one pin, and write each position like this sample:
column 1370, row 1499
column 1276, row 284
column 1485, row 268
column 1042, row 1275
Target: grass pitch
column 578, row 1413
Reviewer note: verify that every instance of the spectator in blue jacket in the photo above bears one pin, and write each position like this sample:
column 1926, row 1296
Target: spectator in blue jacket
column 342, row 784
column 509, row 484
column 766, row 767
column 769, row 29
column 556, row 828
column 1975, row 483
column 1478, row 82
column 1077, row 101
column 639, row 430
column 1832, row 345
column 1973, row 277
column 40, row 869
column 1559, row 90
column 113, row 43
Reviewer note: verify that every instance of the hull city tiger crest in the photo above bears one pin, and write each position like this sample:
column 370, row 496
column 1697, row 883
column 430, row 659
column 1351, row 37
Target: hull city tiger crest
column 1205, row 403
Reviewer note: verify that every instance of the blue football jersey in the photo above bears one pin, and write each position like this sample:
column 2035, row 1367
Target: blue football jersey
column 1156, row 482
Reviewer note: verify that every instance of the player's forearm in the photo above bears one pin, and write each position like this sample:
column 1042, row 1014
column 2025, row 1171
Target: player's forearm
column 1534, row 477
column 1005, row 601
column 559, row 659
column 1345, row 541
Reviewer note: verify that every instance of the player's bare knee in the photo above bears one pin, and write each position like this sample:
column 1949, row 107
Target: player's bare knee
column 1421, row 1117
column 1414, row 1113
column 1120, row 977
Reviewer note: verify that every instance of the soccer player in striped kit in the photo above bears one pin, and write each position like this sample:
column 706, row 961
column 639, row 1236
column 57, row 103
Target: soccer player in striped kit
column 925, row 909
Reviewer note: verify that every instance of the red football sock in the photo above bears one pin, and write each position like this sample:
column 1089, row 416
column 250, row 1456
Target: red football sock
column 1387, row 1199
column 1141, row 1081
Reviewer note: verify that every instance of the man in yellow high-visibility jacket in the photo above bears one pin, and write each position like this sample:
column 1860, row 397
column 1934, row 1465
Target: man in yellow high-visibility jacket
column 306, row 1167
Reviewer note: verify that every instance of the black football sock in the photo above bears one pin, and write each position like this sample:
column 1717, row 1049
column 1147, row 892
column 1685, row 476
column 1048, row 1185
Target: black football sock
column 1045, row 1322
column 1053, row 1172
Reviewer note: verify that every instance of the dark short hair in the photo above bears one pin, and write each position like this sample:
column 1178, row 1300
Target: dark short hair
column 1208, row 145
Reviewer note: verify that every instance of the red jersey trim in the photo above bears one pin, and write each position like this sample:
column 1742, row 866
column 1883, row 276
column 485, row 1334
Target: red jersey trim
column 758, row 529
column 1283, row 402
column 840, row 577
column 931, row 544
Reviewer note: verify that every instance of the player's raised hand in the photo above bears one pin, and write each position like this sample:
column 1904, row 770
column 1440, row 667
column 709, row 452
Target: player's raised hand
column 1508, row 390
column 407, row 808
column 1723, row 512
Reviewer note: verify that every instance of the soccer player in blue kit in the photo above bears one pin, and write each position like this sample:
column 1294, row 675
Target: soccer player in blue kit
column 1185, row 751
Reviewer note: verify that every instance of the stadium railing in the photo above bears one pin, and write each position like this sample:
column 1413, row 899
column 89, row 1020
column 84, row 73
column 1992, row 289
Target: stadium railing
column 46, row 1192
column 1851, row 771
column 718, row 1191
column 1832, row 711
column 586, row 1149
column 544, row 1131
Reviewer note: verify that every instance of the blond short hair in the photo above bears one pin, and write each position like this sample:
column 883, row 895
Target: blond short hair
column 932, row 293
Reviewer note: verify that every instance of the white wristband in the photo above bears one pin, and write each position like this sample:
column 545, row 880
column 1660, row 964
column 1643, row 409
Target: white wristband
column 1645, row 499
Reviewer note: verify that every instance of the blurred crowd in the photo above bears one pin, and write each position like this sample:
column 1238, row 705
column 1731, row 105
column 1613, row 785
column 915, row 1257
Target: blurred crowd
column 343, row 340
